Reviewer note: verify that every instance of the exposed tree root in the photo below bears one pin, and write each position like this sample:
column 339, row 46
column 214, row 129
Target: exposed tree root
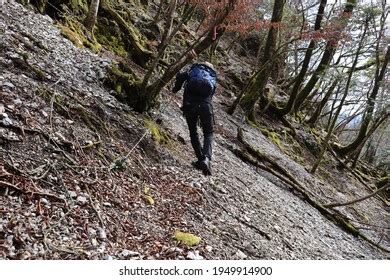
column 256, row 158
column 331, row 205
column 356, row 175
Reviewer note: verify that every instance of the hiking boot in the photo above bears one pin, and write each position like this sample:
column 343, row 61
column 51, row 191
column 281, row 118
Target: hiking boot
column 197, row 164
column 205, row 166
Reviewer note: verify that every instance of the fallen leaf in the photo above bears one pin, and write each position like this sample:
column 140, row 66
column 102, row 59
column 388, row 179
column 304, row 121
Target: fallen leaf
column 149, row 199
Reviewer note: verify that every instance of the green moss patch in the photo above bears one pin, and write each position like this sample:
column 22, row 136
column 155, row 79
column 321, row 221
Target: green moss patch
column 75, row 34
column 113, row 44
column 188, row 239
column 273, row 136
column 159, row 135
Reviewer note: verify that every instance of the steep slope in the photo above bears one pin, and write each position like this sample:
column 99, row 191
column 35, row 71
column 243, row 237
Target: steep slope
column 82, row 176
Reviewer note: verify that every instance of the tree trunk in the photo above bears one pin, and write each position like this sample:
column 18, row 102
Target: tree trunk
column 306, row 61
column 369, row 111
column 327, row 57
column 377, row 123
column 159, row 11
column 334, row 121
column 166, row 39
column 148, row 96
column 317, row 113
column 255, row 90
column 92, row 15
column 372, row 147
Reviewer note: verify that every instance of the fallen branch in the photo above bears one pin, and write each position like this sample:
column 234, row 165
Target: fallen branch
column 331, row 205
column 33, row 193
column 9, row 185
column 357, row 176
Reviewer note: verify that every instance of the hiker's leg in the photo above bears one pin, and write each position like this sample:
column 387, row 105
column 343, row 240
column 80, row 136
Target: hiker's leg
column 206, row 117
column 192, row 119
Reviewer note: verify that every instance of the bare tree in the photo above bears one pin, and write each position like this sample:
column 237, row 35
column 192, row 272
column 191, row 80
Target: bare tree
column 326, row 59
column 306, row 61
column 348, row 83
column 92, row 15
column 255, row 89
column 368, row 116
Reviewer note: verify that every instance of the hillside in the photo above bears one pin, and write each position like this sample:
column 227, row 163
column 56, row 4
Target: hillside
column 83, row 176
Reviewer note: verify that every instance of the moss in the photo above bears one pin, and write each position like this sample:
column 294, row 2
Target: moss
column 251, row 123
column 79, row 6
column 158, row 134
column 24, row 56
column 74, row 33
column 23, row 2
column 71, row 36
column 149, row 199
column 124, row 83
column 38, row 72
column 95, row 47
column 188, row 239
column 136, row 43
column 41, row 5
column 273, row 136
column 118, row 88
column 113, row 43
column 316, row 134
column 299, row 117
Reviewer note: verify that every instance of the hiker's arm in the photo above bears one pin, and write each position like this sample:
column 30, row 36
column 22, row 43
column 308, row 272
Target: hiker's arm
column 180, row 79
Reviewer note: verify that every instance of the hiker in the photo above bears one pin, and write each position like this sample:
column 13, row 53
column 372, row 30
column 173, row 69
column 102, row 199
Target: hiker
column 199, row 87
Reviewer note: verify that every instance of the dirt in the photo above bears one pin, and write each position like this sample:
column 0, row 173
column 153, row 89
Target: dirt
column 65, row 193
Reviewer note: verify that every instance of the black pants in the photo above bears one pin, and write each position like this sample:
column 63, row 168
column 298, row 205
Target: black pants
column 204, row 113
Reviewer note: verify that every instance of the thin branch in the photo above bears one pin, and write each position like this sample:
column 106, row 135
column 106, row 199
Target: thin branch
column 331, row 205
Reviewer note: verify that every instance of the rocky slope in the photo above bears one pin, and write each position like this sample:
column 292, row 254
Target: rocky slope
column 82, row 176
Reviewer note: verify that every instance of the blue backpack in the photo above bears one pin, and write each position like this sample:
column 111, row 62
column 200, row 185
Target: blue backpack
column 202, row 81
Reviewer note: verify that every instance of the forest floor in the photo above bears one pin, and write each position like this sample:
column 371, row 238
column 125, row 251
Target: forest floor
column 82, row 176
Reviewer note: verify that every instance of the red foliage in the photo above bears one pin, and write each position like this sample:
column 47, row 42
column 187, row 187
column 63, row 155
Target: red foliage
column 241, row 19
column 333, row 32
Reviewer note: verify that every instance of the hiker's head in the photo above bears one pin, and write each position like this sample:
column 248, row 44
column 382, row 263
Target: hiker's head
column 208, row 64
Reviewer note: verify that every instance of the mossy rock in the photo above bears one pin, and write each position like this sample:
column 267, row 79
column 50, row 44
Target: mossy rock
column 159, row 135
column 111, row 37
column 273, row 136
column 113, row 44
column 136, row 43
column 71, row 36
column 187, row 239
column 124, row 83
column 76, row 36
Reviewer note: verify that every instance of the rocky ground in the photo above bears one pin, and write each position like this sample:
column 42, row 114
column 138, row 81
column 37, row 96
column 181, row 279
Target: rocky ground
column 84, row 177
